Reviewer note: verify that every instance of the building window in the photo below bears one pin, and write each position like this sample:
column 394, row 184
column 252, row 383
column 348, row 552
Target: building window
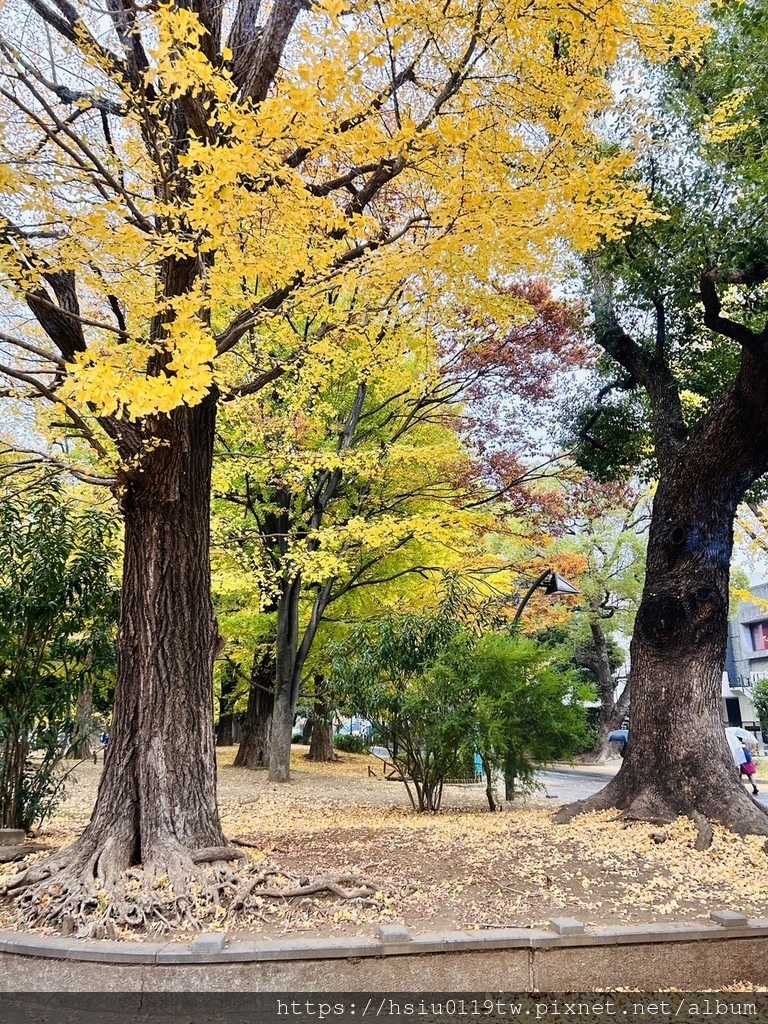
column 733, row 711
column 759, row 635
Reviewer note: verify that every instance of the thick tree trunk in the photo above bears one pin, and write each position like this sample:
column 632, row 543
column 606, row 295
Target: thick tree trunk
column 292, row 650
column 678, row 760
column 321, row 744
column 156, row 804
column 282, row 732
column 81, row 749
column 253, row 751
column 611, row 711
column 225, row 731
column 287, row 680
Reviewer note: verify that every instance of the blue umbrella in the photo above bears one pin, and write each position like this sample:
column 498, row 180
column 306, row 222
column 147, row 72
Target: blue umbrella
column 618, row 736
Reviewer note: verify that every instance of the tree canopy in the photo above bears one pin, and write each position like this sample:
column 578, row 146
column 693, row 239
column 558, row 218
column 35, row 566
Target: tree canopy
column 201, row 202
column 58, row 612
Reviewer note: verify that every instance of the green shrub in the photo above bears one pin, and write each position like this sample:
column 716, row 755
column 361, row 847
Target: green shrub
column 437, row 694
column 58, row 608
column 760, row 700
column 351, row 744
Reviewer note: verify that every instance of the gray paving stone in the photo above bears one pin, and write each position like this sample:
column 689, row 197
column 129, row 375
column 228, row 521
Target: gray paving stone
column 542, row 937
column 394, row 933
column 11, row 836
column 457, row 941
column 115, row 952
column 395, row 941
column 179, row 953
column 299, row 949
column 335, row 948
column 428, row 942
column 566, row 925
column 729, row 918
column 501, row 938
column 246, row 952
column 35, row 945
column 210, row 942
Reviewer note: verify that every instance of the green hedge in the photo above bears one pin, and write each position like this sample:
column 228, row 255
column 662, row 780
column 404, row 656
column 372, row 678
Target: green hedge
column 351, row 744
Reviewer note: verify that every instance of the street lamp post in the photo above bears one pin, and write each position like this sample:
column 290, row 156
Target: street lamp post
column 552, row 583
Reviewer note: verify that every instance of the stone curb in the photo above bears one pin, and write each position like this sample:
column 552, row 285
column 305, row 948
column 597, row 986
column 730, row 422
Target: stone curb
column 212, row 948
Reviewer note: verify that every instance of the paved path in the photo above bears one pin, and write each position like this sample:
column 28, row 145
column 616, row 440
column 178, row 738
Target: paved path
column 567, row 784
column 576, row 783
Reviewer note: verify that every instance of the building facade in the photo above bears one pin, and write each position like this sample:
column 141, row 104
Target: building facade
column 746, row 660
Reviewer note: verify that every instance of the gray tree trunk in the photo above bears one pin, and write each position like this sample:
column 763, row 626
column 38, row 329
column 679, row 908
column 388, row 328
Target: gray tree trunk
column 254, row 748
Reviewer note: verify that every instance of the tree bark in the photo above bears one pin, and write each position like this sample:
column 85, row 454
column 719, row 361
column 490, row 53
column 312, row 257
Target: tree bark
column 292, row 649
column 287, row 679
column 678, row 760
column 156, row 802
column 161, row 761
column 321, row 743
column 225, row 731
column 611, row 711
column 253, row 751
column 81, row 749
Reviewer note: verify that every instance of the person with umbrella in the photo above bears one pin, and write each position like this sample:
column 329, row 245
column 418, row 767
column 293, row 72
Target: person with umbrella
column 737, row 740
column 621, row 737
column 748, row 769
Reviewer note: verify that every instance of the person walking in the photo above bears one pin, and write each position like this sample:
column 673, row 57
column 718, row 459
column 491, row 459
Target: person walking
column 747, row 768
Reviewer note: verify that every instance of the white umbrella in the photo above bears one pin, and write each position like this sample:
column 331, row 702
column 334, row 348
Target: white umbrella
column 736, row 748
column 736, row 736
column 741, row 734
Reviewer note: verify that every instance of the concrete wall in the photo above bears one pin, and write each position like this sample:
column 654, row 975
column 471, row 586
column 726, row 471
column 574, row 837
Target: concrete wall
column 692, row 957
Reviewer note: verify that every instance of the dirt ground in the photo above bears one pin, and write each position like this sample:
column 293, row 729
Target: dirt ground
column 462, row 868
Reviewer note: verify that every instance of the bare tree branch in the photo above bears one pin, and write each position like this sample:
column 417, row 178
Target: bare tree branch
column 748, row 339
column 69, row 25
column 260, row 57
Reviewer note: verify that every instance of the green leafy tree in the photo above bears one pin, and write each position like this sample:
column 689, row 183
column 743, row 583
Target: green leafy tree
column 760, row 700
column 437, row 693
column 58, row 612
column 513, row 704
column 382, row 670
column 680, row 312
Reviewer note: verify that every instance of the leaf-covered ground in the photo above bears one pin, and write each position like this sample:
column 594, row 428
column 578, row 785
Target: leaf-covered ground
column 464, row 868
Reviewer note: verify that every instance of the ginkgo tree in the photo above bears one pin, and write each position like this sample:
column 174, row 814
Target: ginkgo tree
column 321, row 509
column 609, row 524
column 331, row 482
column 179, row 180
column 681, row 314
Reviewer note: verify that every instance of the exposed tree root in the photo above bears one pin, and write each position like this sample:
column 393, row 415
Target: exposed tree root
column 706, row 835
column 364, row 889
column 600, row 801
column 91, row 893
column 211, row 854
column 660, row 805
